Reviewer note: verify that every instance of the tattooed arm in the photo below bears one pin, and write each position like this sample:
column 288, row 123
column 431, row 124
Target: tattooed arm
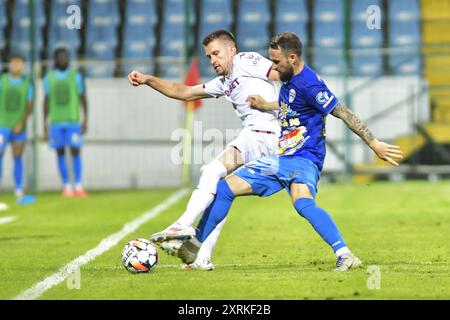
column 383, row 150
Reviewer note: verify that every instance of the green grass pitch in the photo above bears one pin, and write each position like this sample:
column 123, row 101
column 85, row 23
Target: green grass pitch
column 266, row 250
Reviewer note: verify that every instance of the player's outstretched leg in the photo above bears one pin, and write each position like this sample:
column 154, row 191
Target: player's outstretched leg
column 327, row 229
column 213, row 216
column 227, row 190
column 201, row 197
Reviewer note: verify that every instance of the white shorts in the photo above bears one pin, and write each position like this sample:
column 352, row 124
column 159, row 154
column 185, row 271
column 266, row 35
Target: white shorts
column 255, row 143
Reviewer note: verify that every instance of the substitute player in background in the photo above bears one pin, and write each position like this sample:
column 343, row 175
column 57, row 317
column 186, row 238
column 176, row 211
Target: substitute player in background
column 16, row 103
column 64, row 96
column 239, row 75
column 304, row 103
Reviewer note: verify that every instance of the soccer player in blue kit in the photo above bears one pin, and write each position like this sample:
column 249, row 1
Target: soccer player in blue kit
column 304, row 102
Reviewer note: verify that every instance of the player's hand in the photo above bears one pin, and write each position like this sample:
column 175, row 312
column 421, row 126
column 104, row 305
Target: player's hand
column 18, row 128
column 256, row 101
column 387, row 152
column 136, row 78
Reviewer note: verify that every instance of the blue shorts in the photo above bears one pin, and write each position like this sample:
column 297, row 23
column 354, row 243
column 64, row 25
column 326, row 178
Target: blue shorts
column 271, row 174
column 65, row 135
column 7, row 135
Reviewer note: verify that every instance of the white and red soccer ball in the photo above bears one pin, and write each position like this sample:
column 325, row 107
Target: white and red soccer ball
column 139, row 256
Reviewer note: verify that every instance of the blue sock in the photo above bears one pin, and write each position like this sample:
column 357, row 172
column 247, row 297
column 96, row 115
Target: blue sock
column 18, row 172
column 62, row 165
column 216, row 212
column 321, row 222
column 77, row 168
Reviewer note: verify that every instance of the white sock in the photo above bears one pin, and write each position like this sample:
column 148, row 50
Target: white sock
column 204, row 195
column 342, row 251
column 18, row 193
column 199, row 201
column 210, row 242
column 68, row 187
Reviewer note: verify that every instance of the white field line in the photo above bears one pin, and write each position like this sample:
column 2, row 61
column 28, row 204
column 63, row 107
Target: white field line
column 39, row 288
column 222, row 265
column 7, row 219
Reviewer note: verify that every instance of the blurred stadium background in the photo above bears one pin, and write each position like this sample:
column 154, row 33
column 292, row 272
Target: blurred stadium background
column 396, row 78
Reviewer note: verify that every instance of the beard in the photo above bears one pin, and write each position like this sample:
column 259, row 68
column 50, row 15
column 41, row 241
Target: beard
column 287, row 75
column 62, row 66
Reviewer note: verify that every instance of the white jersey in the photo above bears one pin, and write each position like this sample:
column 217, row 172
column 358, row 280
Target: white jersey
column 249, row 76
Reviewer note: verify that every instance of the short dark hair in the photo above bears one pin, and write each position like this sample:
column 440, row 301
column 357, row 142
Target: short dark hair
column 224, row 34
column 16, row 55
column 288, row 42
column 60, row 50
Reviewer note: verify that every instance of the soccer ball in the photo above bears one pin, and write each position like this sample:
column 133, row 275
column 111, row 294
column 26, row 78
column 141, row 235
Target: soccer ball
column 139, row 256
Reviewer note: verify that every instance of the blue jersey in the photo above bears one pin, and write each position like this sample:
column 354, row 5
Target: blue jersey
column 304, row 103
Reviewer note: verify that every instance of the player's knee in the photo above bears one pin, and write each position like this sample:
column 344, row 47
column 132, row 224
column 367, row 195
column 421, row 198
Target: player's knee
column 214, row 168
column 302, row 204
column 211, row 174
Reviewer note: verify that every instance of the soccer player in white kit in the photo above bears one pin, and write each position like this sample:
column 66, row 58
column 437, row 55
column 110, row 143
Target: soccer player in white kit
column 240, row 75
